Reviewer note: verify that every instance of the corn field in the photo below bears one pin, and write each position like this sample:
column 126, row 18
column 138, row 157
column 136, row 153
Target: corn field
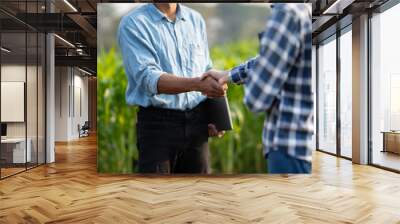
column 239, row 151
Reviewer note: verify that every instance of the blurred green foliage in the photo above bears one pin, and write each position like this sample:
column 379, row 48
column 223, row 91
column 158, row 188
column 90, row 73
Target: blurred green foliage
column 116, row 121
column 239, row 151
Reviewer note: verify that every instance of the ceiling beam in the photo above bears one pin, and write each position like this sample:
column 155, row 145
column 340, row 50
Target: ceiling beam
column 337, row 7
column 78, row 61
column 84, row 24
column 321, row 22
column 48, row 22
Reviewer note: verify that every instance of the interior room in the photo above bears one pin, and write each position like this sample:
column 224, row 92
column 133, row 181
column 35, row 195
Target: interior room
column 48, row 150
column 72, row 102
column 22, row 100
column 45, row 82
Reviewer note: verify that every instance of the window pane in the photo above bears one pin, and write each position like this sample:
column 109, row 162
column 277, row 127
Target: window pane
column 346, row 94
column 385, row 89
column 327, row 97
column 314, row 73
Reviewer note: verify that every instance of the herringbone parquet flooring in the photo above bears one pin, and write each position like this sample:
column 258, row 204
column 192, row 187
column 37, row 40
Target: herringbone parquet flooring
column 70, row 191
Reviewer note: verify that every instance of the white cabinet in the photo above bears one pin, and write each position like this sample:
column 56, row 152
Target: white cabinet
column 19, row 155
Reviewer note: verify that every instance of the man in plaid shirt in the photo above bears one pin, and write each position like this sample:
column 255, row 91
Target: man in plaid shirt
column 278, row 82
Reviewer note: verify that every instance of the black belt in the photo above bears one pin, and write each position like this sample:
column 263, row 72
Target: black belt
column 171, row 113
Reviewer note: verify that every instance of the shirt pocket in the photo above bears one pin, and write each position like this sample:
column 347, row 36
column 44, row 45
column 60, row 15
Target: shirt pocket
column 196, row 62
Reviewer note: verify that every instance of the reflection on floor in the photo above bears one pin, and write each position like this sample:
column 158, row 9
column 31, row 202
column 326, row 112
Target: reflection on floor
column 9, row 170
column 71, row 191
column 386, row 159
column 346, row 152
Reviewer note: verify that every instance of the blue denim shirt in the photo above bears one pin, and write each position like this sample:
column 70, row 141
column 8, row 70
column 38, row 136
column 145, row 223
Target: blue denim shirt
column 151, row 45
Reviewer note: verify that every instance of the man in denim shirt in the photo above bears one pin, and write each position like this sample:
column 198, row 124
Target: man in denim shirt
column 165, row 51
column 278, row 81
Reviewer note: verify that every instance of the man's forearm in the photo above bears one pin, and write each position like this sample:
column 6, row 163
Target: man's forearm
column 171, row 84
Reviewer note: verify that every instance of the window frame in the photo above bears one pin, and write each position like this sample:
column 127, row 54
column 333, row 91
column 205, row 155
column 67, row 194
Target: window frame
column 379, row 10
column 347, row 27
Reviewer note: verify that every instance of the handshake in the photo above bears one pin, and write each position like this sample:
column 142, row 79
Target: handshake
column 213, row 83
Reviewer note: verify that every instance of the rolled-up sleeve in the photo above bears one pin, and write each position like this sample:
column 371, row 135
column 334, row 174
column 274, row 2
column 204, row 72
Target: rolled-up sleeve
column 239, row 73
column 140, row 58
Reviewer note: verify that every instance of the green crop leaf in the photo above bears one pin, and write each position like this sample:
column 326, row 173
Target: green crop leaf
column 239, row 151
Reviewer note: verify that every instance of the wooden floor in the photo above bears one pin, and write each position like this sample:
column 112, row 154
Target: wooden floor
column 5, row 172
column 70, row 191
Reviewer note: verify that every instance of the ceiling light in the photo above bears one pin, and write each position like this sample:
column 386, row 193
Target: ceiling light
column 80, row 51
column 337, row 7
column 65, row 41
column 70, row 5
column 5, row 50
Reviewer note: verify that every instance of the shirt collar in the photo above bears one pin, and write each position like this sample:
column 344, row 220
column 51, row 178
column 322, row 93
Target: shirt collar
column 157, row 15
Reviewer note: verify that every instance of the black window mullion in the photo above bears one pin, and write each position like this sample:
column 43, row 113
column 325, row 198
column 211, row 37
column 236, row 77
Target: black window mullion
column 338, row 98
column 37, row 90
column 0, row 94
column 26, row 86
column 316, row 96
column 45, row 89
column 369, row 95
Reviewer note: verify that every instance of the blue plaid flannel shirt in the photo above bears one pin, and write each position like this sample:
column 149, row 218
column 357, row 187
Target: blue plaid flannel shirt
column 278, row 81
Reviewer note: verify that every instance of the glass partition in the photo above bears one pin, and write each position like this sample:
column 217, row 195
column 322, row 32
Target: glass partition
column 22, row 78
column 34, row 70
column 14, row 154
column 32, row 98
column 41, row 109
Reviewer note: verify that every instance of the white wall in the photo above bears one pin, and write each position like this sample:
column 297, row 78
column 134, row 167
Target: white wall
column 50, row 94
column 62, row 81
column 33, row 126
column 12, row 73
column 79, row 110
column 71, row 93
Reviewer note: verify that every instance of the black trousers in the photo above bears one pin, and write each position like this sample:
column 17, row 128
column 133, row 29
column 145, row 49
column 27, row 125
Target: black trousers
column 171, row 141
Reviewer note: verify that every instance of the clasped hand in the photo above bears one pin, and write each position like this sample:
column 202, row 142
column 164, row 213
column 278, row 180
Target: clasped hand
column 214, row 83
